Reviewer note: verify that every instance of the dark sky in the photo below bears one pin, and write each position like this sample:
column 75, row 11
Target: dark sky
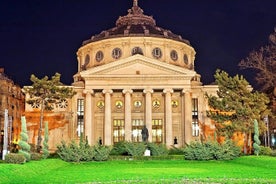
column 43, row 36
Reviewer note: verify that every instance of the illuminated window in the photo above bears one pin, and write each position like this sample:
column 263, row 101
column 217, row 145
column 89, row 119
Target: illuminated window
column 118, row 130
column 80, row 116
column 195, row 125
column 137, row 126
column 157, row 130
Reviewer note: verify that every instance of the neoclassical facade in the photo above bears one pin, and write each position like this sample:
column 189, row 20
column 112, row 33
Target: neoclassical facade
column 133, row 75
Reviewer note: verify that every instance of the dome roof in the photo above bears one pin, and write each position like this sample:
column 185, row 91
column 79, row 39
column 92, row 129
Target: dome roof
column 136, row 24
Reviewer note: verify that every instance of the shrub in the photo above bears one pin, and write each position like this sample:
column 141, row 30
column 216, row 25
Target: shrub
column 101, row 153
column 176, row 151
column 74, row 152
column 119, row 149
column 15, row 158
column 265, row 150
column 135, row 149
column 23, row 144
column 45, row 148
column 157, row 149
column 36, row 156
column 211, row 150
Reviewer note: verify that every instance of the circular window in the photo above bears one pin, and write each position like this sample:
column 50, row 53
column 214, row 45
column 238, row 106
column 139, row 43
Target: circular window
column 35, row 104
column 63, row 103
column 157, row 53
column 116, row 53
column 174, row 55
column 186, row 60
column 99, row 56
column 137, row 50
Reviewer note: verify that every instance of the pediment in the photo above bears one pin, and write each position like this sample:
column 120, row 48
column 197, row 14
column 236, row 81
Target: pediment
column 137, row 65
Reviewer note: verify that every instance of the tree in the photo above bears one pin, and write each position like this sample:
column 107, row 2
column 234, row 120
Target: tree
column 45, row 142
column 257, row 142
column 264, row 62
column 23, row 143
column 45, row 93
column 236, row 106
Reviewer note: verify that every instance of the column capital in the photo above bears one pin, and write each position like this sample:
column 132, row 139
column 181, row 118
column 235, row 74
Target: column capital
column 105, row 91
column 148, row 90
column 127, row 91
column 88, row 91
column 186, row 91
column 168, row 90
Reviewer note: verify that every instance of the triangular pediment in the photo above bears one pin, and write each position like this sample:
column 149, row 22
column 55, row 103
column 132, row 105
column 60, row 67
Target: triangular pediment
column 137, row 65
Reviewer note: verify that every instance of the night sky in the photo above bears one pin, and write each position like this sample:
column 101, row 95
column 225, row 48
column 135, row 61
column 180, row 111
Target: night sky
column 42, row 37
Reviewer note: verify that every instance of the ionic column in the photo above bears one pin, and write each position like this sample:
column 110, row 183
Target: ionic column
column 128, row 132
column 88, row 115
column 168, row 116
column 148, row 114
column 188, row 116
column 107, row 114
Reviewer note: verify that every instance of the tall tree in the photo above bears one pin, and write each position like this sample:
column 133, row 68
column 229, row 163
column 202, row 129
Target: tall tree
column 236, row 106
column 263, row 61
column 45, row 93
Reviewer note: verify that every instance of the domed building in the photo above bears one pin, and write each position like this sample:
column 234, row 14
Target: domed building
column 132, row 76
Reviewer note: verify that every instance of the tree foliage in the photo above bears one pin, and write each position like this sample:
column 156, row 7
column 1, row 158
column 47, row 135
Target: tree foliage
column 264, row 62
column 45, row 93
column 236, row 106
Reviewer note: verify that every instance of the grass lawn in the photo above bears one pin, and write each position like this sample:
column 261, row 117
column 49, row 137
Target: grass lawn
column 247, row 169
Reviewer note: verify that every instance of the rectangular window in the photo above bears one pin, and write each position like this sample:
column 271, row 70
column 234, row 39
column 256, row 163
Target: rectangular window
column 157, row 130
column 118, row 130
column 195, row 125
column 137, row 126
column 80, row 116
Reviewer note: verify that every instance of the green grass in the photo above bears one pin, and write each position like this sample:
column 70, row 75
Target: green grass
column 250, row 169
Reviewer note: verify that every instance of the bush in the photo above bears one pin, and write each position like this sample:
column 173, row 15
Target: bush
column 176, row 151
column 157, row 149
column 36, row 156
column 119, row 149
column 265, row 150
column 15, row 158
column 101, row 153
column 74, row 152
column 211, row 150
column 135, row 149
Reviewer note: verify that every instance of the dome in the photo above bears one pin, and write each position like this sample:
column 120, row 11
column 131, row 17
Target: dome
column 136, row 24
